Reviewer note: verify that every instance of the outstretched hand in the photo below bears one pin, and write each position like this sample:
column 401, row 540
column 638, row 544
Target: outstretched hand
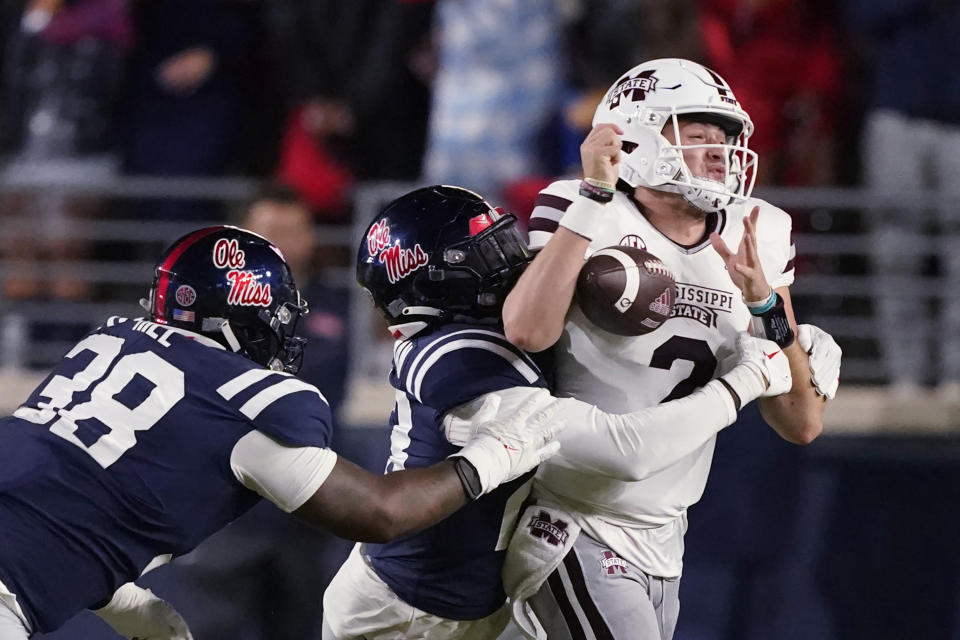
column 504, row 449
column 744, row 265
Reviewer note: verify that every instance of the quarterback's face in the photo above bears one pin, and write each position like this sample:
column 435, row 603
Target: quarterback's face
column 703, row 162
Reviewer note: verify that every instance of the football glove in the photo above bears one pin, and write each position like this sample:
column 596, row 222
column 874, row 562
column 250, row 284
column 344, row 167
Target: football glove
column 825, row 356
column 504, row 449
column 762, row 369
column 457, row 430
column 137, row 613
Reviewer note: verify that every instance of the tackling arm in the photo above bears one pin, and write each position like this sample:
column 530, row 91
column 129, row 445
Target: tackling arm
column 318, row 486
column 635, row 445
column 358, row 505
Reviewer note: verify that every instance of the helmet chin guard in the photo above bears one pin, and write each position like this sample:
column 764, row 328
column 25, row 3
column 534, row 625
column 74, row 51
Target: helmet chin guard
column 656, row 94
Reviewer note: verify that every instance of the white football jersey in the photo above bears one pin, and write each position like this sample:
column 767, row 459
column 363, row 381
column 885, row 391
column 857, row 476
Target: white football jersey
column 644, row 521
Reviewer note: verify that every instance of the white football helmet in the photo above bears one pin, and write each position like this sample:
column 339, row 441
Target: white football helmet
column 653, row 94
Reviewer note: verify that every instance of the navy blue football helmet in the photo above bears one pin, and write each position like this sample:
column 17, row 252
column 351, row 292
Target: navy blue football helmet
column 235, row 287
column 439, row 254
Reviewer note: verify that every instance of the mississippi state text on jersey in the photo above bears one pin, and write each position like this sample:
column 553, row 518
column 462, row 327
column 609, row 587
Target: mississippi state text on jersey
column 453, row 568
column 122, row 456
column 624, row 374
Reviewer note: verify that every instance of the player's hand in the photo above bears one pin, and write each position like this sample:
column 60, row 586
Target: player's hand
column 507, row 448
column 825, row 356
column 138, row 614
column 762, row 369
column 744, row 265
column 600, row 153
column 462, row 423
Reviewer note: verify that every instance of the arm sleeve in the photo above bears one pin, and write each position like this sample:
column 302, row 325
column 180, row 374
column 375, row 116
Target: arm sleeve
column 628, row 446
column 286, row 476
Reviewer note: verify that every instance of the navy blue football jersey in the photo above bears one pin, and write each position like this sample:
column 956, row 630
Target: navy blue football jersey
column 122, row 456
column 451, row 569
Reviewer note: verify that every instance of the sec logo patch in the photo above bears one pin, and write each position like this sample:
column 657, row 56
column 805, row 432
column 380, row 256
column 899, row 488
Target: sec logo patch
column 185, row 295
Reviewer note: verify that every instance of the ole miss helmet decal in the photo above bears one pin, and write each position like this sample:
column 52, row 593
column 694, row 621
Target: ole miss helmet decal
column 245, row 291
column 440, row 252
column 399, row 261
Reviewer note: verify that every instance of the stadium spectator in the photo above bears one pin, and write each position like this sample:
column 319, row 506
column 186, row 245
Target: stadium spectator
column 496, row 88
column 909, row 144
column 356, row 84
column 187, row 99
column 784, row 59
column 61, row 78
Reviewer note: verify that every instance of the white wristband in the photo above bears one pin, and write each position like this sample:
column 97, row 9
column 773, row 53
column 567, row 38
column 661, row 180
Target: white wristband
column 582, row 217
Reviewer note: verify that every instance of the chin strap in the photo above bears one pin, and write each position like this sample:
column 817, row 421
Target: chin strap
column 223, row 326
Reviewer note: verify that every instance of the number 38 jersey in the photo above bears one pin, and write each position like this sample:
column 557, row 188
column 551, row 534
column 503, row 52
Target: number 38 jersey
column 123, row 455
column 644, row 521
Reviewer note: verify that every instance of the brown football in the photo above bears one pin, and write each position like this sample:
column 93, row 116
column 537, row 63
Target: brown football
column 626, row 290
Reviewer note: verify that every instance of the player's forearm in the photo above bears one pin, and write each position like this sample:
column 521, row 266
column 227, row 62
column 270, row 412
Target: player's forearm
column 796, row 416
column 414, row 499
column 358, row 505
column 535, row 311
column 633, row 446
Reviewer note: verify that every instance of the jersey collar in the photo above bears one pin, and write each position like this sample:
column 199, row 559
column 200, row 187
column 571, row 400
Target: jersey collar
column 716, row 222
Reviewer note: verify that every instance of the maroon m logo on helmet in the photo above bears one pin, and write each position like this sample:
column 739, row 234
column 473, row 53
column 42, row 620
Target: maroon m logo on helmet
column 553, row 531
column 634, row 88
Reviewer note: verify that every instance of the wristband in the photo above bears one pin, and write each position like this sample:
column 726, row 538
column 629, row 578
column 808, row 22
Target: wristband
column 772, row 324
column 595, row 193
column 469, row 477
column 733, row 393
column 601, row 184
column 761, row 307
column 582, row 217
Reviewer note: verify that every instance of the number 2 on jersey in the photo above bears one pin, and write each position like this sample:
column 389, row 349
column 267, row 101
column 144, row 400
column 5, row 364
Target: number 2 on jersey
column 122, row 421
column 682, row 348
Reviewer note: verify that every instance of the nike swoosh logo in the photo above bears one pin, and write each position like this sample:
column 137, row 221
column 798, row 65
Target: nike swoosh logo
column 770, row 355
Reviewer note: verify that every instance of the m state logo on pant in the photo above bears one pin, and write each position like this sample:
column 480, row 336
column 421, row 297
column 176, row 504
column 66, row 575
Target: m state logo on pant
column 612, row 563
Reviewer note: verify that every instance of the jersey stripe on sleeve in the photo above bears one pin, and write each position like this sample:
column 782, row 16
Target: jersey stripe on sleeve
column 263, row 399
column 466, row 339
column 545, row 218
column 792, row 259
column 244, row 380
column 525, row 369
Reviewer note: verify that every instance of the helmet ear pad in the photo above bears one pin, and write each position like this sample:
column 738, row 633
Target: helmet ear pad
column 652, row 162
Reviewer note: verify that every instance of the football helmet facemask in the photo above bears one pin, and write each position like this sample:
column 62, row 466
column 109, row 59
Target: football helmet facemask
column 235, row 287
column 438, row 254
column 653, row 95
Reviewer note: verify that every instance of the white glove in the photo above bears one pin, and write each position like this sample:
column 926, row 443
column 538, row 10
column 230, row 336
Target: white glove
column 762, row 369
column 137, row 613
column 502, row 450
column 825, row 356
column 461, row 424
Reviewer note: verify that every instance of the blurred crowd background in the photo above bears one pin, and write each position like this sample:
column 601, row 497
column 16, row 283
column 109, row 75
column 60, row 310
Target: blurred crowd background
column 124, row 123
